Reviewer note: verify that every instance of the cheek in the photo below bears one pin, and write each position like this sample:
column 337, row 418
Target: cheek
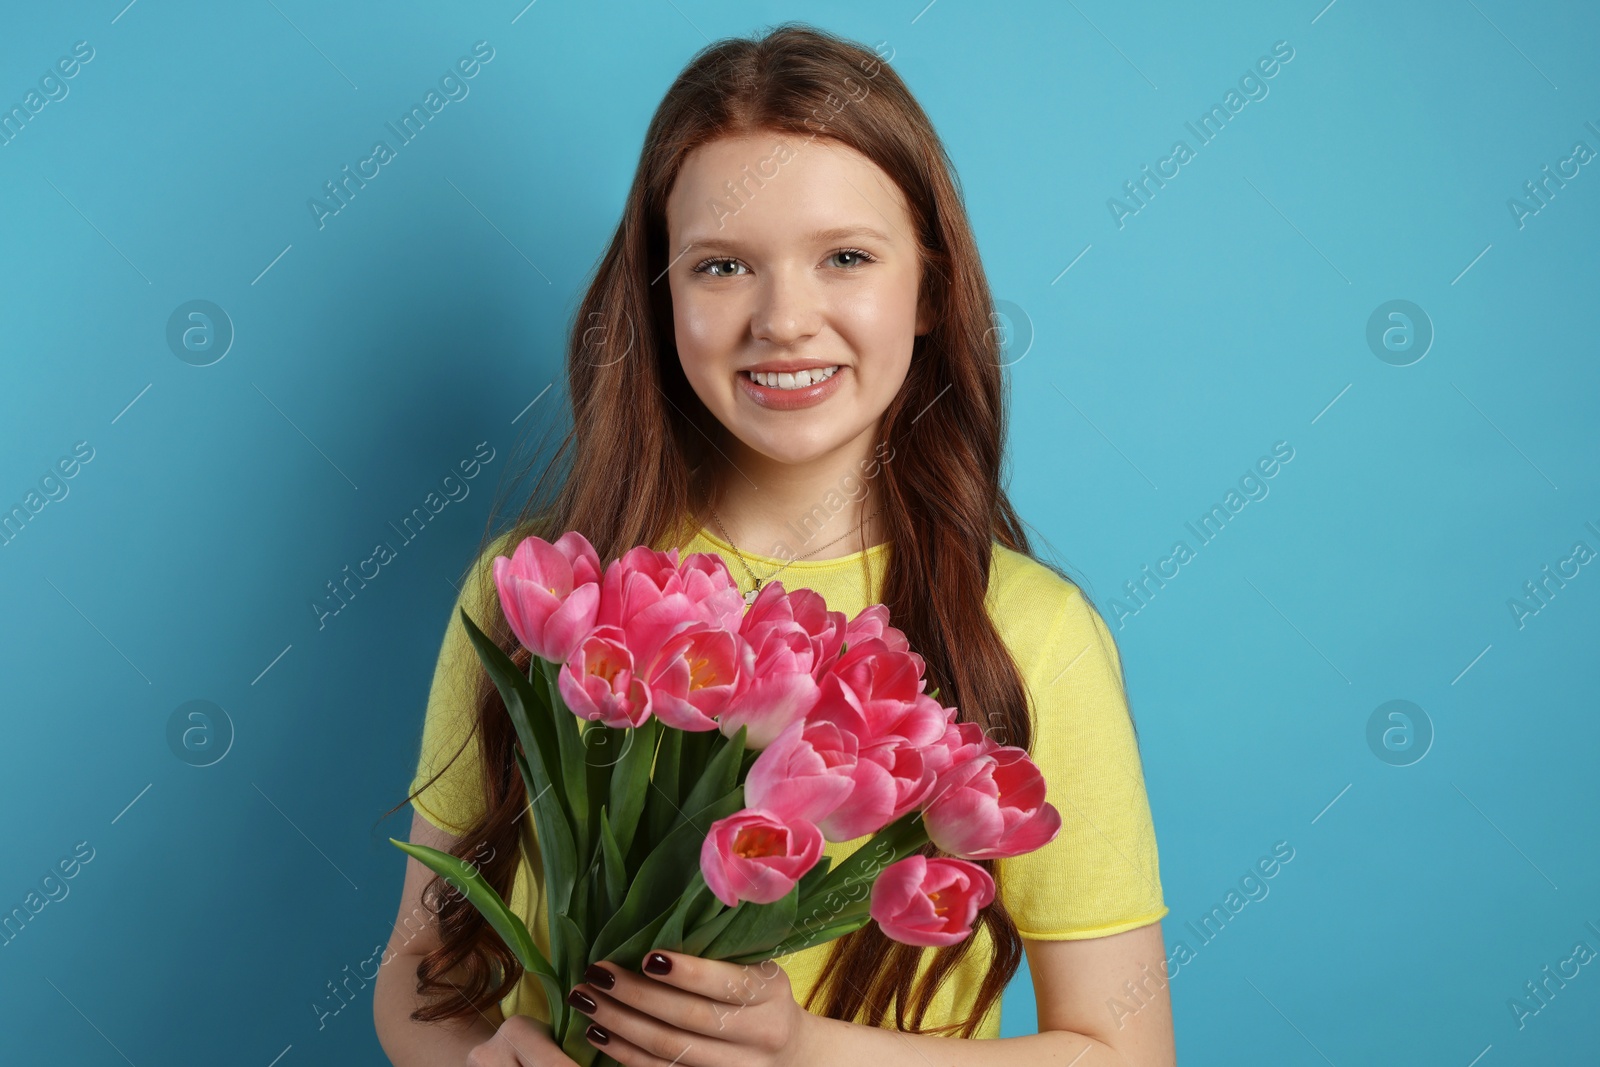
column 887, row 310
column 882, row 326
column 702, row 329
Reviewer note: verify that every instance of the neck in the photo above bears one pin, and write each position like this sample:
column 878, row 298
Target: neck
column 812, row 510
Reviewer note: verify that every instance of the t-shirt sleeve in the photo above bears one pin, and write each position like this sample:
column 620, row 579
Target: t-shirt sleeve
column 455, row 801
column 1100, row 875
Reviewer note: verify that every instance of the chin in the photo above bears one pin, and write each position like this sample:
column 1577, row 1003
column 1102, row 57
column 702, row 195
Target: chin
column 795, row 446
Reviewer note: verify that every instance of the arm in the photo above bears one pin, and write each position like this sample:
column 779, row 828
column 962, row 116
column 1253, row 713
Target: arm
column 412, row 1044
column 1075, row 984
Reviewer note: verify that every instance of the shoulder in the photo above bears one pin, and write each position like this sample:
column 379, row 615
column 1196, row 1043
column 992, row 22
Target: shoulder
column 1042, row 614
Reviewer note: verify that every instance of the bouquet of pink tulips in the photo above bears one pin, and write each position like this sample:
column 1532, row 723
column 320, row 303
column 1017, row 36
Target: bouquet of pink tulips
column 686, row 756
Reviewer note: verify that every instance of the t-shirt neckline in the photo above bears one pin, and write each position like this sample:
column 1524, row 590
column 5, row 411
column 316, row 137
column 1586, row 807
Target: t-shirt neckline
column 799, row 564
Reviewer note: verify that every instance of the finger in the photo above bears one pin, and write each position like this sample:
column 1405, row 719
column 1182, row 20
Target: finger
column 685, row 1021
column 732, row 983
column 656, row 1047
column 680, row 1008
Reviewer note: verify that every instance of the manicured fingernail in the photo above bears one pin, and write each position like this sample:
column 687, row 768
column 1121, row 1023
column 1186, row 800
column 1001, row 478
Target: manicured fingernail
column 600, row 976
column 578, row 999
column 597, row 1035
column 656, row 963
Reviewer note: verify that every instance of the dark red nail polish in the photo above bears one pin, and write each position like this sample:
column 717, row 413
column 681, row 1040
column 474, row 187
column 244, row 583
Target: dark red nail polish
column 600, row 976
column 582, row 1001
column 656, row 963
column 597, row 1035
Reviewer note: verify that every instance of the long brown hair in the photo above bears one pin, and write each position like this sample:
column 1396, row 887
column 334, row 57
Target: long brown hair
column 629, row 472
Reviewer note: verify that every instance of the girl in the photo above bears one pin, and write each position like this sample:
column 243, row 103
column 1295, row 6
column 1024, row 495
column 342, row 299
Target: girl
column 786, row 357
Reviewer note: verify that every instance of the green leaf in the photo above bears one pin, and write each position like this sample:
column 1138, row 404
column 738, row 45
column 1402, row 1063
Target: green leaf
column 576, row 951
column 711, row 909
column 601, row 745
column 812, row 878
column 555, row 998
column 481, row 895
column 615, row 873
column 541, row 771
column 820, row 936
column 893, row 843
column 574, row 773
column 671, row 935
column 661, row 807
column 527, row 706
column 699, row 746
column 757, row 928
column 630, row 781
column 630, row 953
column 555, row 839
column 663, row 874
column 703, row 933
column 720, row 774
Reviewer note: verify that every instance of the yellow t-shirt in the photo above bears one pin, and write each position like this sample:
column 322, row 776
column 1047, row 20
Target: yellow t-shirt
column 1099, row 876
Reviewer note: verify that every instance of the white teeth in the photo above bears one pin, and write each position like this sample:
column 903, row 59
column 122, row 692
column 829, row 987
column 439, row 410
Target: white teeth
column 792, row 380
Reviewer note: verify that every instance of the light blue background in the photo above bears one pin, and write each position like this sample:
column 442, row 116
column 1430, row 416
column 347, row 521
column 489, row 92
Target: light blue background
column 1228, row 314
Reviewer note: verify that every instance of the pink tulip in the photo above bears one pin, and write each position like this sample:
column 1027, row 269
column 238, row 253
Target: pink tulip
column 757, row 855
column 873, row 621
column 696, row 673
column 876, row 693
column 550, row 593
column 889, row 778
column 791, row 635
column 650, row 596
column 708, row 582
column 598, row 681
column 930, row 902
column 991, row 807
column 824, row 628
column 962, row 741
column 805, row 773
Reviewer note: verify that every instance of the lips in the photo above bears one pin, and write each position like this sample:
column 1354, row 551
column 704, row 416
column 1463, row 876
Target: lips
column 783, row 378
column 791, row 399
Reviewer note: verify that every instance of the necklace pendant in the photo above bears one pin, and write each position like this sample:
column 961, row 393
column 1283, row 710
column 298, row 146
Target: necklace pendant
column 750, row 597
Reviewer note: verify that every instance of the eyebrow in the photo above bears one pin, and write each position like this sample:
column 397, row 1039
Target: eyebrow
column 837, row 233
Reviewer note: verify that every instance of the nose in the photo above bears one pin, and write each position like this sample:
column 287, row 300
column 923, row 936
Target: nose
column 788, row 310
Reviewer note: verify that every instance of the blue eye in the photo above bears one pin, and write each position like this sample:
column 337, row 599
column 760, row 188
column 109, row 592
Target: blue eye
column 701, row 268
column 864, row 257
column 708, row 266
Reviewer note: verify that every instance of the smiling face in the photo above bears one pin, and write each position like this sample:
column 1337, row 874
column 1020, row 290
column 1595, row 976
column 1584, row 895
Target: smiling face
column 818, row 268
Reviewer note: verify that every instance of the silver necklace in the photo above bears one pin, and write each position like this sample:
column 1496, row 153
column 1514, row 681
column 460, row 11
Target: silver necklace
column 749, row 598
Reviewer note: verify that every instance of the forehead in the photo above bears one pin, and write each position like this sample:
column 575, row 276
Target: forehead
column 781, row 186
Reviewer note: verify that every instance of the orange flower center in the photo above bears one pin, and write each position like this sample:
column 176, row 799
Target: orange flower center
column 754, row 841
column 603, row 666
column 701, row 673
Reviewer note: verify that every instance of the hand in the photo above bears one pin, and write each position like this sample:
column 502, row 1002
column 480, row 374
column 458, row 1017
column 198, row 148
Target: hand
column 696, row 1013
column 521, row 1041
